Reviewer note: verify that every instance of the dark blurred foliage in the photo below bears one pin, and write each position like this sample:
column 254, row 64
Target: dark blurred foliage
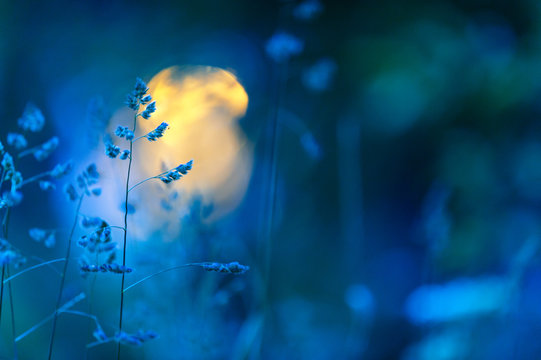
column 408, row 187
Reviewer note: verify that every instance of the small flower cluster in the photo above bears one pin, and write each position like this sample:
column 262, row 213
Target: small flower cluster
column 99, row 242
column 111, row 150
column 124, row 131
column 231, row 268
column 13, row 196
column 47, row 237
column 9, row 255
column 32, row 119
column 43, row 151
column 46, row 185
column 86, row 182
column 124, row 338
column 139, row 97
column 157, row 133
column 176, row 173
column 150, row 109
column 136, row 339
column 61, row 170
column 134, row 100
column 18, row 141
column 113, row 268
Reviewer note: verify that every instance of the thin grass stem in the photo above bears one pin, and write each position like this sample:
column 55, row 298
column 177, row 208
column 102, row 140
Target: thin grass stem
column 32, row 268
column 158, row 273
column 63, row 279
column 141, row 182
column 15, row 352
column 35, row 177
column 64, row 307
column 127, row 192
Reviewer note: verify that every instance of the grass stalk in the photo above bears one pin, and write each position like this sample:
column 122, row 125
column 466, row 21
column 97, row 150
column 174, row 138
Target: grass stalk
column 63, row 278
column 127, row 192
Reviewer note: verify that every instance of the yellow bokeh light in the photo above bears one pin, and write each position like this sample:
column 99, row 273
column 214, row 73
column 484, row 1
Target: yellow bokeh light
column 202, row 106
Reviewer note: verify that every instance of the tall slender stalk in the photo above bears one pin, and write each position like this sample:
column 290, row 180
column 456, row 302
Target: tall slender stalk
column 127, row 192
column 271, row 202
column 5, row 271
column 3, row 265
column 63, row 279
column 10, row 294
column 2, row 291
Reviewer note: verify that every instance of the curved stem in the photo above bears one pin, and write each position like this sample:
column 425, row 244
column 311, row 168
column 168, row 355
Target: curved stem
column 36, row 177
column 28, row 152
column 15, row 355
column 141, row 182
column 158, row 273
column 2, row 178
column 125, row 233
column 2, row 291
column 275, row 132
column 4, row 235
column 64, row 307
column 96, row 343
column 80, row 313
column 32, row 268
column 63, row 279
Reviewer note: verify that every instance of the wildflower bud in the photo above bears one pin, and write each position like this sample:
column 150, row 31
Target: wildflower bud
column 46, row 185
column 12, row 198
column 146, row 99
column 46, row 149
column 81, row 183
column 88, row 221
column 124, row 155
column 184, row 168
column 165, row 179
column 115, row 268
column 96, row 191
column 61, row 170
column 37, row 234
column 83, row 241
column 121, row 131
column 7, row 162
column 140, row 88
column 129, row 135
column 47, row 237
column 91, row 175
column 112, row 150
column 231, row 268
column 88, row 268
column 157, row 133
column 32, row 119
column 132, row 102
column 16, row 180
column 17, row 141
column 151, row 108
column 70, row 191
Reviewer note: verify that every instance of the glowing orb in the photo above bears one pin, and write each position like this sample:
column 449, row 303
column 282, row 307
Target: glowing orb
column 202, row 106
